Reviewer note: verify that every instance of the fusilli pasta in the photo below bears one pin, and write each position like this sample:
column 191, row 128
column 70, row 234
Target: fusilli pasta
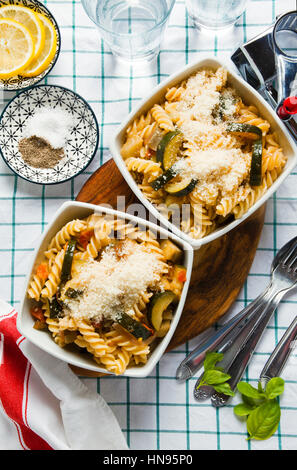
column 211, row 171
column 96, row 288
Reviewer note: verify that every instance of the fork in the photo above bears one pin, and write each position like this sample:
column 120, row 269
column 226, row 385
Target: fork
column 283, row 280
column 280, row 355
column 224, row 344
column 227, row 333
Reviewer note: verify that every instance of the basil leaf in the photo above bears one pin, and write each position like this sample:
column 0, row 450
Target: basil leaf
column 249, row 391
column 260, row 388
column 263, row 421
column 211, row 358
column 274, row 388
column 224, row 388
column 243, row 409
column 253, row 402
column 215, row 377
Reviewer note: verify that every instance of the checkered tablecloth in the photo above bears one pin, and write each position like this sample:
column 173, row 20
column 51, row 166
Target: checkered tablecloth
column 156, row 412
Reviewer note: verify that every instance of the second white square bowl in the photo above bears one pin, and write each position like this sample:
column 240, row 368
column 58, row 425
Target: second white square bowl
column 249, row 96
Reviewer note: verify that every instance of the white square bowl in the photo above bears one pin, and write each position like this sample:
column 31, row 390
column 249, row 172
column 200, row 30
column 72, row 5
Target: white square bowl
column 249, row 96
column 69, row 211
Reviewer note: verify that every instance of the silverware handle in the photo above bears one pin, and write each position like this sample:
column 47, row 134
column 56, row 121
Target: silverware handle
column 222, row 337
column 249, row 339
column 231, row 353
column 280, row 355
column 258, row 315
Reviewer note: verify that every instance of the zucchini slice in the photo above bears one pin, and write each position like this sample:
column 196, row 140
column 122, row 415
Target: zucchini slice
column 256, row 164
column 55, row 308
column 164, row 328
column 244, row 130
column 251, row 132
column 134, row 327
column 168, row 149
column 221, row 111
column 158, row 304
column 73, row 293
column 67, row 262
column 163, row 179
column 181, row 187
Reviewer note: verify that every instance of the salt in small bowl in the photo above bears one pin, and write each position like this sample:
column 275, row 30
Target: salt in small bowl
column 81, row 142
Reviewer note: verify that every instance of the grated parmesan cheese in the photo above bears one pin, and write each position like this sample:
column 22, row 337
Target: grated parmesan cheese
column 200, row 97
column 224, row 169
column 114, row 284
column 229, row 102
column 211, row 155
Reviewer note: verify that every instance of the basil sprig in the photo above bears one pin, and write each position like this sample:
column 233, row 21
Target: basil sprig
column 215, row 376
column 260, row 407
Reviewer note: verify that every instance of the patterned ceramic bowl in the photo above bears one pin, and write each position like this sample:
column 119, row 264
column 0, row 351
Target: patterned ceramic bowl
column 19, row 83
column 81, row 143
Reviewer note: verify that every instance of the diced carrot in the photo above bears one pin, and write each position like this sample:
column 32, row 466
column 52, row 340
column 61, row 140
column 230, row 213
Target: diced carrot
column 150, row 153
column 37, row 313
column 85, row 237
column 42, row 271
column 182, row 275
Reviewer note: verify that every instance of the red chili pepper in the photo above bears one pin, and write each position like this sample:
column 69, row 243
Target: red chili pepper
column 85, row 237
column 182, row 276
column 37, row 313
column 148, row 328
column 96, row 324
column 150, row 153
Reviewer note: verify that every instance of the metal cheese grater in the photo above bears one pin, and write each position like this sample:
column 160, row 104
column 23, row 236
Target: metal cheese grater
column 268, row 63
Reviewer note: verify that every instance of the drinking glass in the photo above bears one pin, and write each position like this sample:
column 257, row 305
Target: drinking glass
column 133, row 29
column 215, row 14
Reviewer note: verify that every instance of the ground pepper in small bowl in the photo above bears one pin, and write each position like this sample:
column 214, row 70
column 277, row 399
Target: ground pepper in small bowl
column 37, row 152
column 44, row 137
column 48, row 134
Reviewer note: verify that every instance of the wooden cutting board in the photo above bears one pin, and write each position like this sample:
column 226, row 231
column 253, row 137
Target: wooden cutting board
column 220, row 267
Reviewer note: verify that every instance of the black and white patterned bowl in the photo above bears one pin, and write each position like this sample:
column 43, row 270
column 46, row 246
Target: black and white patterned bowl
column 20, row 83
column 81, row 144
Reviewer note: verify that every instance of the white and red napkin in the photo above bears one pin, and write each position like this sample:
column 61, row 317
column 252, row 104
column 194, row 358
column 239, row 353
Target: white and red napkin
column 43, row 404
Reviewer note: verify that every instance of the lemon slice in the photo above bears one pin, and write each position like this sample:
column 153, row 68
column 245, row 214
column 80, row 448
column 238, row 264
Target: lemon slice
column 47, row 54
column 16, row 47
column 30, row 20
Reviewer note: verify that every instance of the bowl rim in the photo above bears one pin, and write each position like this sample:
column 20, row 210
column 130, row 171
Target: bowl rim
column 137, row 372
column 53, row 62
column 142, row 106
column 87, row 105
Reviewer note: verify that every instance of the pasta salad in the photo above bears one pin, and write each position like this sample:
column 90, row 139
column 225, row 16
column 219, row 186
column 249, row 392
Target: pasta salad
column 202, row 156
column 108, row 288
